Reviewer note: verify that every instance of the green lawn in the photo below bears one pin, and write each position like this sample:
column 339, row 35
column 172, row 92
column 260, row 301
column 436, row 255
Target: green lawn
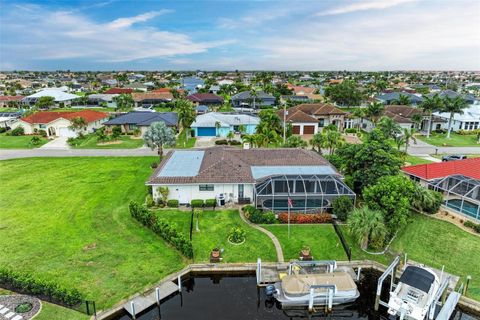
column 19, row 142
column 322, row 240
column 181, row 141
column 90, row 142
column 412, row 160
column 214, row 229
column 67, row 219
column 456, row 140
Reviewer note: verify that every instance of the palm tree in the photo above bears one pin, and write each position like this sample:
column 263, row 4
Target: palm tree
column 374, row 111
column 218, row 125
column 407, row 136
column 359, row 113
column 367, row 226
column 389, row 127
column 403, row 100
column 186, row 115
column 318, row 142
column 333, row 139
column 250, row 139
column 429, row 105
column 253, row 95
column 453, row 106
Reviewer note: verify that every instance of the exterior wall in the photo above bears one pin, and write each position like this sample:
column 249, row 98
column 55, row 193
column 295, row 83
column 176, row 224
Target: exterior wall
column 186, row 192
column 223, row 131
column 55, row 126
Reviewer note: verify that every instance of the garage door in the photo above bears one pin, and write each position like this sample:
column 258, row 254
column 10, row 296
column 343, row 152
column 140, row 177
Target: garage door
column 206, row 132
column 308, row 129
column 296, row 130
column 66, row 132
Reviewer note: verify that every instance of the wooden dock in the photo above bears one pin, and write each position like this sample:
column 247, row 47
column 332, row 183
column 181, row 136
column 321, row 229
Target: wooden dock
column 143, row 302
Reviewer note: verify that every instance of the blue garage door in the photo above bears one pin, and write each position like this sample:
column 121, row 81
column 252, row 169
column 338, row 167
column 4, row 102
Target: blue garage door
column 207, row 132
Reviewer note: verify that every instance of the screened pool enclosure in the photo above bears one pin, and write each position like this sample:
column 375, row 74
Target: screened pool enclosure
column 307, row 193
column 460, row 193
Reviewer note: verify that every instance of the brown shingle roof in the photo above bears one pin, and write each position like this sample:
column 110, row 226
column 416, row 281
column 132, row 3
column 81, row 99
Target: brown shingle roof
column 297, row 116
column 233, row 165
column 140, row 96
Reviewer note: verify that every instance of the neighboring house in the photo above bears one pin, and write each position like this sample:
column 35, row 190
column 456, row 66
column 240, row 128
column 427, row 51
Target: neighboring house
column 402, row 115
column 110, row 82
column 309, row 118
column 469, row 120
column 392, row 97
column 266, row 177
column 245, row 99
column 57, row 124
column 285, row 99
column 469, row 98
column 119, row 91
column 6, row 100
column 458, row 181
column 207, row 99
column 168, row 90
column 99, row 98
column 201, row 109
column 8, row 118
column 148, row 99
column 137, row 86
column 216, row 124
column 57, row 94
column 142, row 121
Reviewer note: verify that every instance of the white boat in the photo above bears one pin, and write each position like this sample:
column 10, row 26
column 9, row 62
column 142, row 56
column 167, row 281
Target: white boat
column 331, row 287
column 414, row 294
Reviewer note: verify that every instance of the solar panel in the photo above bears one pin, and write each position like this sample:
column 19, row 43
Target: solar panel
column 265, row 171
column 183, row 164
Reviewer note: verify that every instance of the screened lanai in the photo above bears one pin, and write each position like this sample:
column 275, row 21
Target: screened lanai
column 460, row 193
column 308, row 193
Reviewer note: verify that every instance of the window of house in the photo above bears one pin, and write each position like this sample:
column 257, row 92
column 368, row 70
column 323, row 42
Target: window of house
column 321, row 123
column 132, row 126
column 42, row 126
column 206, row 187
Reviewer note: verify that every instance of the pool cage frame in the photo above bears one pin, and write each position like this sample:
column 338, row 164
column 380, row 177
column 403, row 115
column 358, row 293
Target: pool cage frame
column 325, row 188
column 459, row 187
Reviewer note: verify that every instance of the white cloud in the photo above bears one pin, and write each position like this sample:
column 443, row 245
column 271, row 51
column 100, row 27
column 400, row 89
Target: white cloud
column 363, row 5
column 35, row 33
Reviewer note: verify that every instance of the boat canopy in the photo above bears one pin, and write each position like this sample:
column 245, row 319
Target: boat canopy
column 418, row 278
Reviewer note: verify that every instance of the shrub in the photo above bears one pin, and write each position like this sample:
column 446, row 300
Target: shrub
column 154, row 165
column 234, row 143
column 237, row 235
column 197, row 203
column 35, row 140
column 351, row 130
column 116, row 131
column 257, row 216
column 149, row 201
column 471, row 225
column 161, row 227
column 305, row 218
column 18, row 131
column 342, row 206
column 43, row 133
column 426, row 200
column 211, row 203
column 221, row 142
column 3, row 129
column 172, row 203
column 26, row 283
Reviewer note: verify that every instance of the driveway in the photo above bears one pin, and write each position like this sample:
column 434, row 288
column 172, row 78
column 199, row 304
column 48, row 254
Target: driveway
column 205, row 142
column 57, row 143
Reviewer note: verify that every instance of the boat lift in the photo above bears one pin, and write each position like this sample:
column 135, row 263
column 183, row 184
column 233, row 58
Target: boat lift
column 438, row 310
column 331, row 291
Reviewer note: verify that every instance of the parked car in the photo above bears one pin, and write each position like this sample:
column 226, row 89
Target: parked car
column 453, row 157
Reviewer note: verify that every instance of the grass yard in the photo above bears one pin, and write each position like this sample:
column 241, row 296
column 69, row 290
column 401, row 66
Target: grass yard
column 322, row 240
column 412, row 160
column 67, row 220
column 456, row 140
column 214, row 230
column 19, row 142
column 126, row 142
column 190, row 143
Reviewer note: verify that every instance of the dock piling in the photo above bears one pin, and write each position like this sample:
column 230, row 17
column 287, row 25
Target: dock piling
column 179, row 280
column 132, row 305
column 469, row 277
column 358, row 273
column 157, row 295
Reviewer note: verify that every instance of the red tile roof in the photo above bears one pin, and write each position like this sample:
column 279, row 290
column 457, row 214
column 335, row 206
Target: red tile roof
column 10, row 98
column 49, row 116
column 118, row 91
column 163, row 90
column 467, row 167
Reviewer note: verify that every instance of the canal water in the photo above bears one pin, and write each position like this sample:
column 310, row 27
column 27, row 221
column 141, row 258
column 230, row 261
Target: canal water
column 235, row 297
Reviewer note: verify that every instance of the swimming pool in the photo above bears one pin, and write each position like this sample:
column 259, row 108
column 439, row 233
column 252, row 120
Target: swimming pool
column 469, row 209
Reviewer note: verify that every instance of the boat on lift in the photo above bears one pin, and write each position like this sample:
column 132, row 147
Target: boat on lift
column 300, row 288
column 414, row 294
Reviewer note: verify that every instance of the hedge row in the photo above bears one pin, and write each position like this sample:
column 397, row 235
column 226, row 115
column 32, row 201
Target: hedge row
column 305, row 218
column 258, row 216
column 199, row 203
column 26, row 283
column 162, row 228
column 471, row 225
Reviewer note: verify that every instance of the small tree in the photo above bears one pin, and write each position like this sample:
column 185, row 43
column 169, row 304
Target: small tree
column 158, row 136
column 35, row 140
column 77, row 124
column 124, row 102
column 230, row 135
column 342, row 207
column 367, row 227
column 163, row 191
column 116, row 132
column 18, row 131
column 295, row 142
column 318, row 142
column 45, row 102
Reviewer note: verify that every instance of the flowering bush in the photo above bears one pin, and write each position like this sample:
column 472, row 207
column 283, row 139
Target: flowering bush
column 305, row 218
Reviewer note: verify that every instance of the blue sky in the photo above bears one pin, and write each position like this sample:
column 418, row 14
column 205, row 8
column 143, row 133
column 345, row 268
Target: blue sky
column 245, row 35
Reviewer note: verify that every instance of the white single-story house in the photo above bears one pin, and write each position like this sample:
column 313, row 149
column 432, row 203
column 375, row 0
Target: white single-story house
column 469, row 120
column 269, row 178
column 56, row 124
column 58, row 94
column 217, row 124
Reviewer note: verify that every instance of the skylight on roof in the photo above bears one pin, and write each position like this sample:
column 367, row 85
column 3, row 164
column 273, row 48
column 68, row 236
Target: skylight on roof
column 183, row 164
